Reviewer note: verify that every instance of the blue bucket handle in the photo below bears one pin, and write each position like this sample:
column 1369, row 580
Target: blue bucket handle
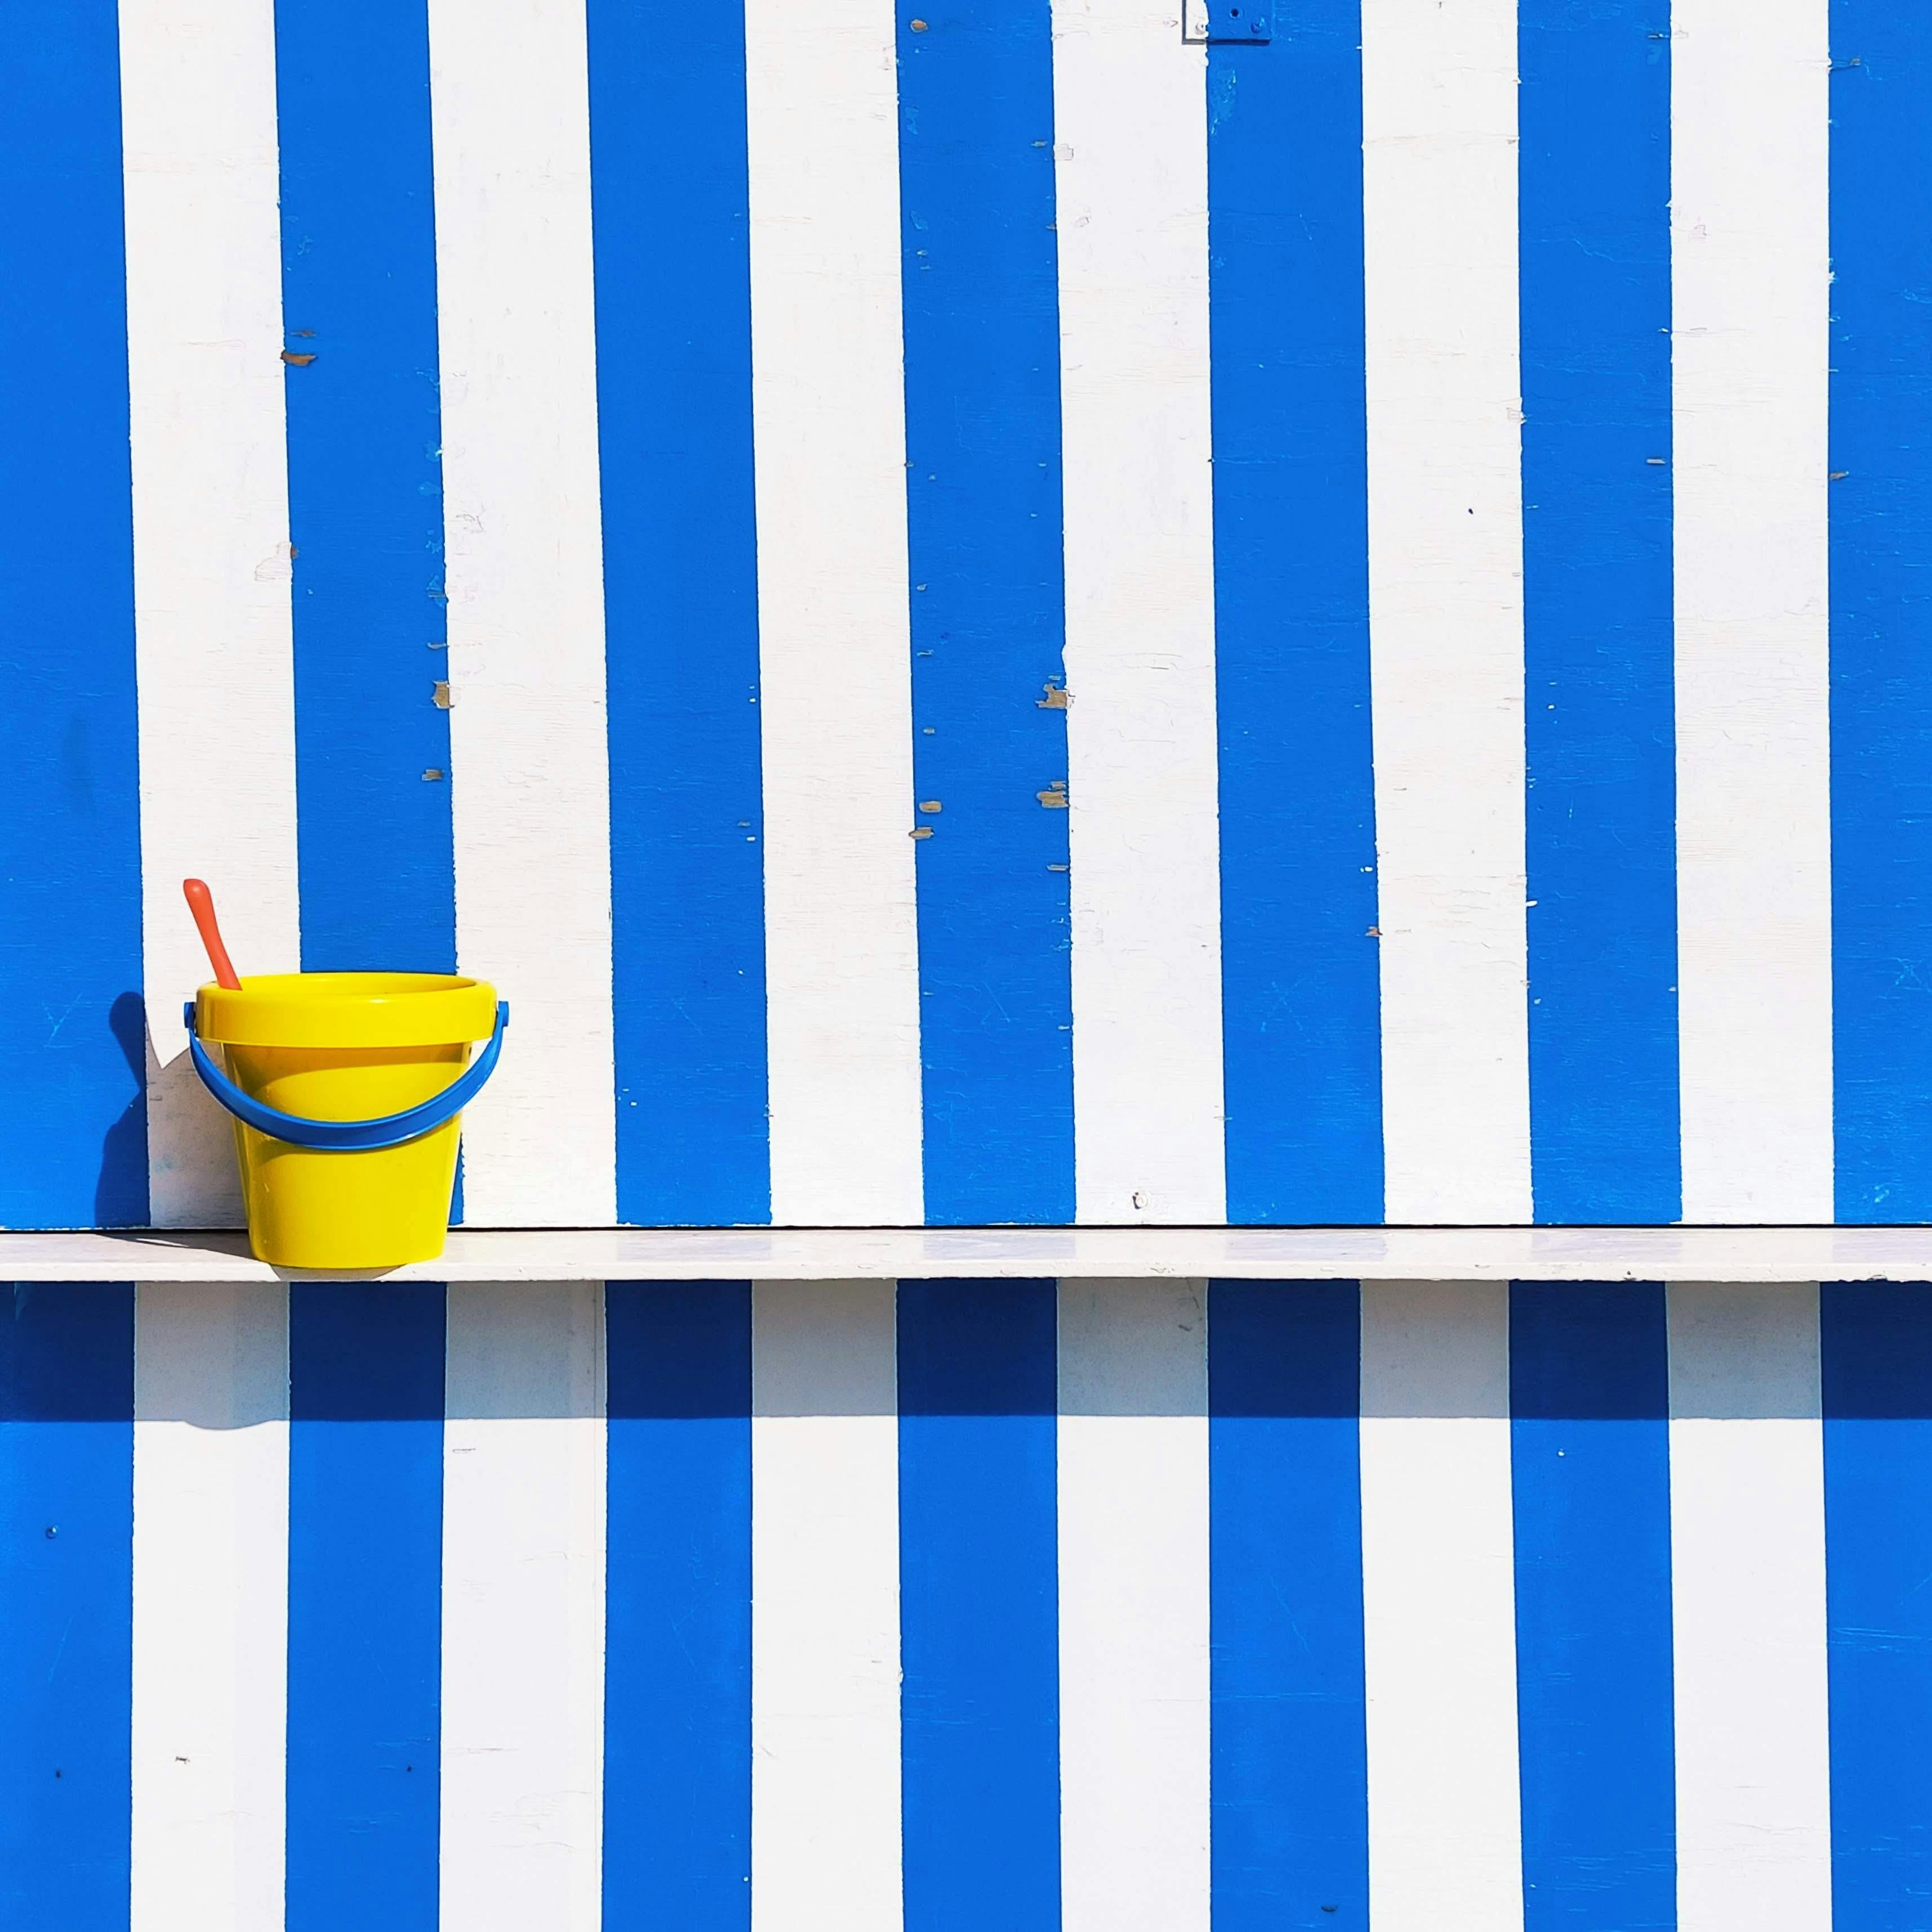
column 350, row 1136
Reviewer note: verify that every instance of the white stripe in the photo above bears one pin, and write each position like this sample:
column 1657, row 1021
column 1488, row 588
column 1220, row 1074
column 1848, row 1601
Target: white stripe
column 210, row 1606
column 1129, row 104
column 1750, row 271
column 1445, row 597
column 841, row 954
column 523, row 1609
column 213, row 643
column 1747, row 1571
column 825, row 1608
column 1439, row 1608
column 1134, row 1675
column 522, row 527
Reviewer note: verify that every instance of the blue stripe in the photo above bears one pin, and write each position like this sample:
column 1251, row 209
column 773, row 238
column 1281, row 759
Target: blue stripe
column 670, row 197
column 979, row 1605
column 677, row 1687
column 982, row 484
column 73, row 1123
column 365, row 1605
column 1590, row 1469
column 1595, row 249
column 1877, row 1347
column 1290, row 1751
column 1301, row 1004
column 1881, row 536
column 365, row 486
column 67, row 1599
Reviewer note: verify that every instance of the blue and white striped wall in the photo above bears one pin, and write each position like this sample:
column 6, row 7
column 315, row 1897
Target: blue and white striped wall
column 1144, row 1606
column 981, row 613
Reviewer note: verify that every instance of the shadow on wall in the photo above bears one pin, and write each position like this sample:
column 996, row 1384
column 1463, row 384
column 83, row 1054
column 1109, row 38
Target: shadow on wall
column 67, row 1354
column 121, row 1193
column 184, row 1175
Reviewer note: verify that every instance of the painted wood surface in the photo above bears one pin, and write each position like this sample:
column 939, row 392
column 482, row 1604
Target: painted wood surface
column 1314, row 632
column 213, row 634
column 1749, row 1568
column 1439, row 1650
column 208, row 1664
column 1749, row 1255
column 522, row 525
column 1445, row 603
column 1134, row 1606
column 1135, row 401
column 1751, row 274
column 523, row 1558
column 826, row 1679
column 1161, row 1604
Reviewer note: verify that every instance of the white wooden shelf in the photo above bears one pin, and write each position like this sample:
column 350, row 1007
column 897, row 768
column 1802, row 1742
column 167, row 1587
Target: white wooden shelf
column 821, row 1254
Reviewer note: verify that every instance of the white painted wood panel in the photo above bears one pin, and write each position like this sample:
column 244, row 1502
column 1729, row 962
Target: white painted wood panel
column 1134, row 1672
column 210, row 1687
column 213, row 637
column 826, row 1842
column 841, row 942
column 1742, row 1255
column 1129, row 103
column 523, row 1609
column 1445, row 603
column 1747, row 1570
column 1751, row 271
column 523, row 534
column 1439, row 1608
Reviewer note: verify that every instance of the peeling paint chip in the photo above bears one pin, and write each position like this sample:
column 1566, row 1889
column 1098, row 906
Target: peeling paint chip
column 1051, row 868
column 298, row 362
column 439, row 694
column 931, row 805
column 1055, row 797
column 920, row 832
column 1058, row 698
column 434, row 772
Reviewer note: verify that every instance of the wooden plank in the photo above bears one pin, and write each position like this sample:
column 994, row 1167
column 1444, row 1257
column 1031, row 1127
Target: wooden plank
column 1748, row 1570
column 1439, row 1608
column 1134, row 1594
column 1445, row 603
column 523, row 1608
column 825, row 1843
column 828, row 400
column 210, row 1606
column 1745, row 1254
column 1750, row 273
column 214, row 650
column 1131, row 169
column 523, row 540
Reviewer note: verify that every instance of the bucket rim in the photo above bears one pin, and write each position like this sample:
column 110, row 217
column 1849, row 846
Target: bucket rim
column 347, row 1010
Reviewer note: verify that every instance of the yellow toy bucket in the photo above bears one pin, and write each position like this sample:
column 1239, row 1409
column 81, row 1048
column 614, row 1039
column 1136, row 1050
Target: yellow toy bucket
column 347, row 1091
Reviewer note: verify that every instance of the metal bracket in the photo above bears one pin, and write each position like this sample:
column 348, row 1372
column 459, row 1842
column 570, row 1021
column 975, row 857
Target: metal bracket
column 1211, row 23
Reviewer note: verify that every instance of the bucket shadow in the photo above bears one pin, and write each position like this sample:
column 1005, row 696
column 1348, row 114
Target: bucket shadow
column 120, row 1191
column 192, row 1181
